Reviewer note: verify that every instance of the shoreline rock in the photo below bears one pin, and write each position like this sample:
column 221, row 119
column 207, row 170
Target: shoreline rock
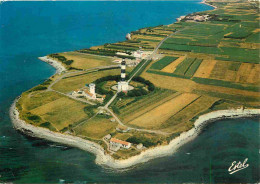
column 205, row 2
column 152, row 153
column 57, row 65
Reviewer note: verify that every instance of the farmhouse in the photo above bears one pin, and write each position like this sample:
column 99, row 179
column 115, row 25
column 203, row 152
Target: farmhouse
column 77, row 93
column 119, row 143
column 89, row 93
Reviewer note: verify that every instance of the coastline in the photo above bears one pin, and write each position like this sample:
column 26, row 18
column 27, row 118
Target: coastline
column 205, row 2
column 152, row 153
column 57, row 65
column 107, row 160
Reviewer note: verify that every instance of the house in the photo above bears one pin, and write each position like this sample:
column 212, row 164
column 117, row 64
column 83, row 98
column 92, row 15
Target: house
column 77, row 93
column 89, row 95
column 120, row 143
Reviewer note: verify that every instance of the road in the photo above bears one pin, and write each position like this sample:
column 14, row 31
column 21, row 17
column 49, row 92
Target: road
column 75, row 72
column 114, row 97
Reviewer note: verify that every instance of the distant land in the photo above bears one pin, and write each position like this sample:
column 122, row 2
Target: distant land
column 142, row 98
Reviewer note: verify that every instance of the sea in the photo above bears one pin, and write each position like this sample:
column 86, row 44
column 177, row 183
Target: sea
column 32, row 29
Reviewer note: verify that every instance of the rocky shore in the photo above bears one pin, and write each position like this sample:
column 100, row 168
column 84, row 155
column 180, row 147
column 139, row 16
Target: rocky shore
column 107, row 160
column 205, row 2
column 57, row 65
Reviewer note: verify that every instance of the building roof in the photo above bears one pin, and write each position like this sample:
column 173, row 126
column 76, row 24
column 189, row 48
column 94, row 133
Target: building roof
column 119, row 141
column 88, row 93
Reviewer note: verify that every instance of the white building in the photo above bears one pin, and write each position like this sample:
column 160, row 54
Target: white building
column 92, row 89
column 89, row 93
column 77, row 93
column 138, row 54
column 120, row 143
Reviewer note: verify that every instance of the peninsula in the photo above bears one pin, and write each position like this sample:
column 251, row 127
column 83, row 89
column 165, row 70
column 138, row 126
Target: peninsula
column 142, row 98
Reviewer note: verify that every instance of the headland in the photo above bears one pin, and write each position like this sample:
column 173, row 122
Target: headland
column 181, row 84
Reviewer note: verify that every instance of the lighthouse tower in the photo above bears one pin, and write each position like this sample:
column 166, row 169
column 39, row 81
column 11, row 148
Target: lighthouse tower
column 92, row 89
column 122, row 85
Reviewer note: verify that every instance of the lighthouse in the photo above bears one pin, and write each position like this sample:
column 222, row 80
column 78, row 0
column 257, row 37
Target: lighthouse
column 122, row 85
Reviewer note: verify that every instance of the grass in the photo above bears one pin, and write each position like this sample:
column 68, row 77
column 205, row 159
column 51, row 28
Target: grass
column 234, row 66
column 61, row 112
column 238, row 32
column 140, row 65
column 234, row 97
column 193, row 68
column 86, row 61
column 253, row 38
column 167, row 74
column 228, row 84
column 154, row 118
column 143, row 103
column 73, row 83
column 163, row 62
column 183, row 67
column 96, row 128
column 34, row 100
column 172, row 67
column 181, row 120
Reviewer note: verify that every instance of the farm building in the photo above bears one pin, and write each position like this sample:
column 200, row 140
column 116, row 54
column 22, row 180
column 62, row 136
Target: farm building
column 89, row 93
column 119, row 143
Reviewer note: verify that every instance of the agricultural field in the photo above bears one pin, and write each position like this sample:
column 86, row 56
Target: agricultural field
column 96, row 128
column 86, row 61
column 182, row 120
column 154, row 118
column 131, row 107
column 62, row 112
column 79, row 81
column 229, row 35
column 172, row 66
column 51, row 109
column 163, row 62
column 183, row 67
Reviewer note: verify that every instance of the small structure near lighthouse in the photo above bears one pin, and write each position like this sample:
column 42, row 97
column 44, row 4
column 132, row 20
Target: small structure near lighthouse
column 122, row 85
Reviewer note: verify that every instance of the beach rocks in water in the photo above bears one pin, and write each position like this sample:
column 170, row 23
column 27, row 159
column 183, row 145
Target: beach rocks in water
column 128, row 36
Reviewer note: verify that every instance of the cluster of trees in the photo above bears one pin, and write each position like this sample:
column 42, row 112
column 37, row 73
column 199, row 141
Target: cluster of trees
column 150, row 85
column 105, row 52
column 108, row 78
column 38, row 88
column 135, row 92
column 62, row 59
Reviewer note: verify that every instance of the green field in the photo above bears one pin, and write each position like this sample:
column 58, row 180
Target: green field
column 184, row 66
column 163, row 62
column 228, row 84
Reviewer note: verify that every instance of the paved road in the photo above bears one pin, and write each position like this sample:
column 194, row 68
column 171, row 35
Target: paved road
column 137, row 129
column 152, row 55
column 74, row 72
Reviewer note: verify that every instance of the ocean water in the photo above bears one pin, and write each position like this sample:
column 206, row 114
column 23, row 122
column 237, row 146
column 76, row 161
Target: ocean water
column 32, row 29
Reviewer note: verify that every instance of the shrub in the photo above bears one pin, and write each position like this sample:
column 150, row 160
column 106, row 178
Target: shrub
column 38, row 88
column 145, row 141
column 34, row 118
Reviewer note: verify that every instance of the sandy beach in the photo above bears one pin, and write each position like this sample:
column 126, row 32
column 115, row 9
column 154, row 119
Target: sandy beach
column 57, row 65
column 107, row 160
